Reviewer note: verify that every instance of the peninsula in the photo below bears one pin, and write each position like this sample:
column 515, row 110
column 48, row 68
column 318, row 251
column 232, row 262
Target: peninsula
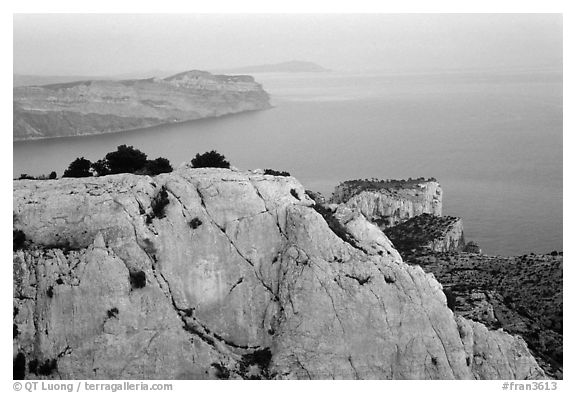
column 103, row 106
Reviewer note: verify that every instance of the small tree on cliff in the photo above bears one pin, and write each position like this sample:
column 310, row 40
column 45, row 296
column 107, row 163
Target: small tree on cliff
column 100, row 167
column 211, row 159
column 158, row 166
column 126, row 159
column 52, row 175
column 80, row 167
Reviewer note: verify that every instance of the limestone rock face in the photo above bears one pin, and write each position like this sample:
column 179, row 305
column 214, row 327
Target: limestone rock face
column 212, row 273
column 99, row 106
column 427, row 231
column 389, row 203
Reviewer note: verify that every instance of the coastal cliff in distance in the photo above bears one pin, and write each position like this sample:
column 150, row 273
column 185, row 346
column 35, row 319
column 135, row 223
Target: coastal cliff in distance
column 218, row 273
column 390, row 202
column 100, row 106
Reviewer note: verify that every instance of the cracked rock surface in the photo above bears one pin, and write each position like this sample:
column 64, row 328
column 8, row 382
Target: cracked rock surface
column 215, row 273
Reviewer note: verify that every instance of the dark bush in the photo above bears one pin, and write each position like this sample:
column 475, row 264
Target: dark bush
column 113, row 312
column 158, row 166
column 80, row 167
column 47, row 367
column 260, row 358
column 15, row 330
column 294, row 193
column 101, row 168
column 138, row 279
column 33, row 366
column 18, row 239
column 158, row 204
column 275, row 173
column 126, row 159
column 211, row 159
column 195, row 223
column 25, row 176
column 52, row 175
column 450, row 299
column 19, row 366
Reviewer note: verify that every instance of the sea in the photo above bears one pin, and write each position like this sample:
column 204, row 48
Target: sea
column 493, row 139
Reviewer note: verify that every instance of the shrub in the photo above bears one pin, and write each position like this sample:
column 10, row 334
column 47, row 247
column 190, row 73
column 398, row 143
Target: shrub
column 159, row 203
column 33, row 366
column 126, row 159
column 294, row 193
column 211, row 159
column 101, row 168
column 19, row 366
column 113, row 312
column 450, row 299
column 195, row 223
column 158, row 166
column 275, row 173
column 52, row 175
column 25, row 176
column 18, row 239
column 47, row 367
column 138, row 279
column 80, row 167
column 260, row 358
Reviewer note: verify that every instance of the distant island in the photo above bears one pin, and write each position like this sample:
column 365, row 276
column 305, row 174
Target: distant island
column 102, row 106
column 287, row 66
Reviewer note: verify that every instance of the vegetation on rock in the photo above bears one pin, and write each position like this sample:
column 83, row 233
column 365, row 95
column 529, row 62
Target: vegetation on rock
column 211, row 159
column 80, row 167
column 276, row 173
column 126, row 159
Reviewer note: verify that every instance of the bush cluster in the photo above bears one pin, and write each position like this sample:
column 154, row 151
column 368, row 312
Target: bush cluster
column 276, row 173
column 210, row 159
column 126, row 159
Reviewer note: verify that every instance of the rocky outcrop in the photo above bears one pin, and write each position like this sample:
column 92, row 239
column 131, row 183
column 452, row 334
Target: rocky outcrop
column 426, row 231
column 391, row 202
column 99, row 106
column 213, row 273
column 522, row 295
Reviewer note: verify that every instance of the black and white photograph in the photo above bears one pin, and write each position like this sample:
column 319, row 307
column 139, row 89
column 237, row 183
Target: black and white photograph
column 287, row 196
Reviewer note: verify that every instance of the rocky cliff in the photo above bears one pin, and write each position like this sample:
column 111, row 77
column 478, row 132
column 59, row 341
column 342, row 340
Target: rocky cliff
column 99, row 106
column 390, row 202
column 213, row 273
column 522, row 295
column 427, row 231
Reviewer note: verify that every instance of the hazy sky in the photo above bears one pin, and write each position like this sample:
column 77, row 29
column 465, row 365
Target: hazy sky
column 105, row 44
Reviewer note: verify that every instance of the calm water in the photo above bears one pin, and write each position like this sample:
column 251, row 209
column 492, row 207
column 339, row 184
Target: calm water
column 494, row 141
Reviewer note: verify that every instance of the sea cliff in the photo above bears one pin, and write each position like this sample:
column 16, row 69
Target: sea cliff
column 216, row 273
column 390, row 202
column 100, row 106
